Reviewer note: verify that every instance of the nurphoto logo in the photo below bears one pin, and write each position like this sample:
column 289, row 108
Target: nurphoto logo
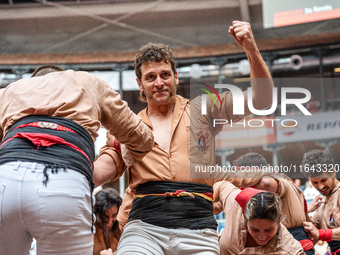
column 238, row 99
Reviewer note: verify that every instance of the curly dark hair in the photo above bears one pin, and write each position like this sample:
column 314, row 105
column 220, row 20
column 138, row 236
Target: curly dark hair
column 251, row 159
column 153, row 52
column 106, row 199
column 45, row 69
column 264, row 205
column 313, row 160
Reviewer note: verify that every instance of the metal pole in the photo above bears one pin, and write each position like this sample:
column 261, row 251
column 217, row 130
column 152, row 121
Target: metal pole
column 320, row 52
column 20, row 71
column 224, row 155
column 275, row 148
column 327, row 144
column 269, row 58
column 244, row 8
column 219, row 62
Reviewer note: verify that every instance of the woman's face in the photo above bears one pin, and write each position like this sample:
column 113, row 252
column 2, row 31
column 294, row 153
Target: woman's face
column 262, row 230
column 111, row 216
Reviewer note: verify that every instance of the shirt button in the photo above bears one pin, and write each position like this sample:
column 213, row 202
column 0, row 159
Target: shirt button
column 170, row 155
column 174, row 177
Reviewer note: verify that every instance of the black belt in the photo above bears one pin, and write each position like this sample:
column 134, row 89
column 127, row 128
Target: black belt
column 171, row 211
column 335, row 246
column 301, row 235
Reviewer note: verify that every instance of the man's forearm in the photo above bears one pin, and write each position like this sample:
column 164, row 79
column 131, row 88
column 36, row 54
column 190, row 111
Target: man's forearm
column 258, row 68
column 261, row 81
column 104, row 170
column 336, row 234
column 245, row 179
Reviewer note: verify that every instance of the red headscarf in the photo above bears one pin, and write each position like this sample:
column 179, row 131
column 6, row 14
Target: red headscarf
column 243, row 197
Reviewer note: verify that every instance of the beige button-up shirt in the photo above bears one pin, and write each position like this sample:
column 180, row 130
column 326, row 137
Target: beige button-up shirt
column 234, row 236
column 185, row 153
column 77, row 96
column 327, row 215
column 293, row 203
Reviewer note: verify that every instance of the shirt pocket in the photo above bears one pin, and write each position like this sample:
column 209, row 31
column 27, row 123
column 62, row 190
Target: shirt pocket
column 199, row 143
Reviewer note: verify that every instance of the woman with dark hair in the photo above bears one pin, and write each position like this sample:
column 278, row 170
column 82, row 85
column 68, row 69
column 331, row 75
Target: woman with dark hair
column 106, row 209
column 253, row 222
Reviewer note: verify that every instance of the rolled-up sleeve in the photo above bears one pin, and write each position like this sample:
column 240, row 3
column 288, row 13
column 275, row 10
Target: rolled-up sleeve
column 126, row 127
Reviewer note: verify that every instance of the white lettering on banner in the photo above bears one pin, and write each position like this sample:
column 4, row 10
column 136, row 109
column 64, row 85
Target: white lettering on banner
column 238, row 100
column 323, row 8
column 260, row 122
column 322, row 125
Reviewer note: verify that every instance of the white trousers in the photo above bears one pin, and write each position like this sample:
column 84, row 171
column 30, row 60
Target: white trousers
column 58, row 216
column 140, row 238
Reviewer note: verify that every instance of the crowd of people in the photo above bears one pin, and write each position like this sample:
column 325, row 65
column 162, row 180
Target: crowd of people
column 48, row 125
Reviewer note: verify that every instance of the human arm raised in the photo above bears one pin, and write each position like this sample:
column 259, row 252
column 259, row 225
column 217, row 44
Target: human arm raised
column 261, row 81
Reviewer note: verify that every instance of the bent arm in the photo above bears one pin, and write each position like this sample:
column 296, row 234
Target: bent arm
column 105, row 170
column 244, row 179
column 268, row 184
column 124, row 125
column 109, row 166
column 261, row 81
column 336, row 234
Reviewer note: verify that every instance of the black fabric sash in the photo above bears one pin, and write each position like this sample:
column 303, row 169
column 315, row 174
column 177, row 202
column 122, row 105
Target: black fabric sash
column 59, row 155
column 299, row 234
column 173, row 212
column 334, row 245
